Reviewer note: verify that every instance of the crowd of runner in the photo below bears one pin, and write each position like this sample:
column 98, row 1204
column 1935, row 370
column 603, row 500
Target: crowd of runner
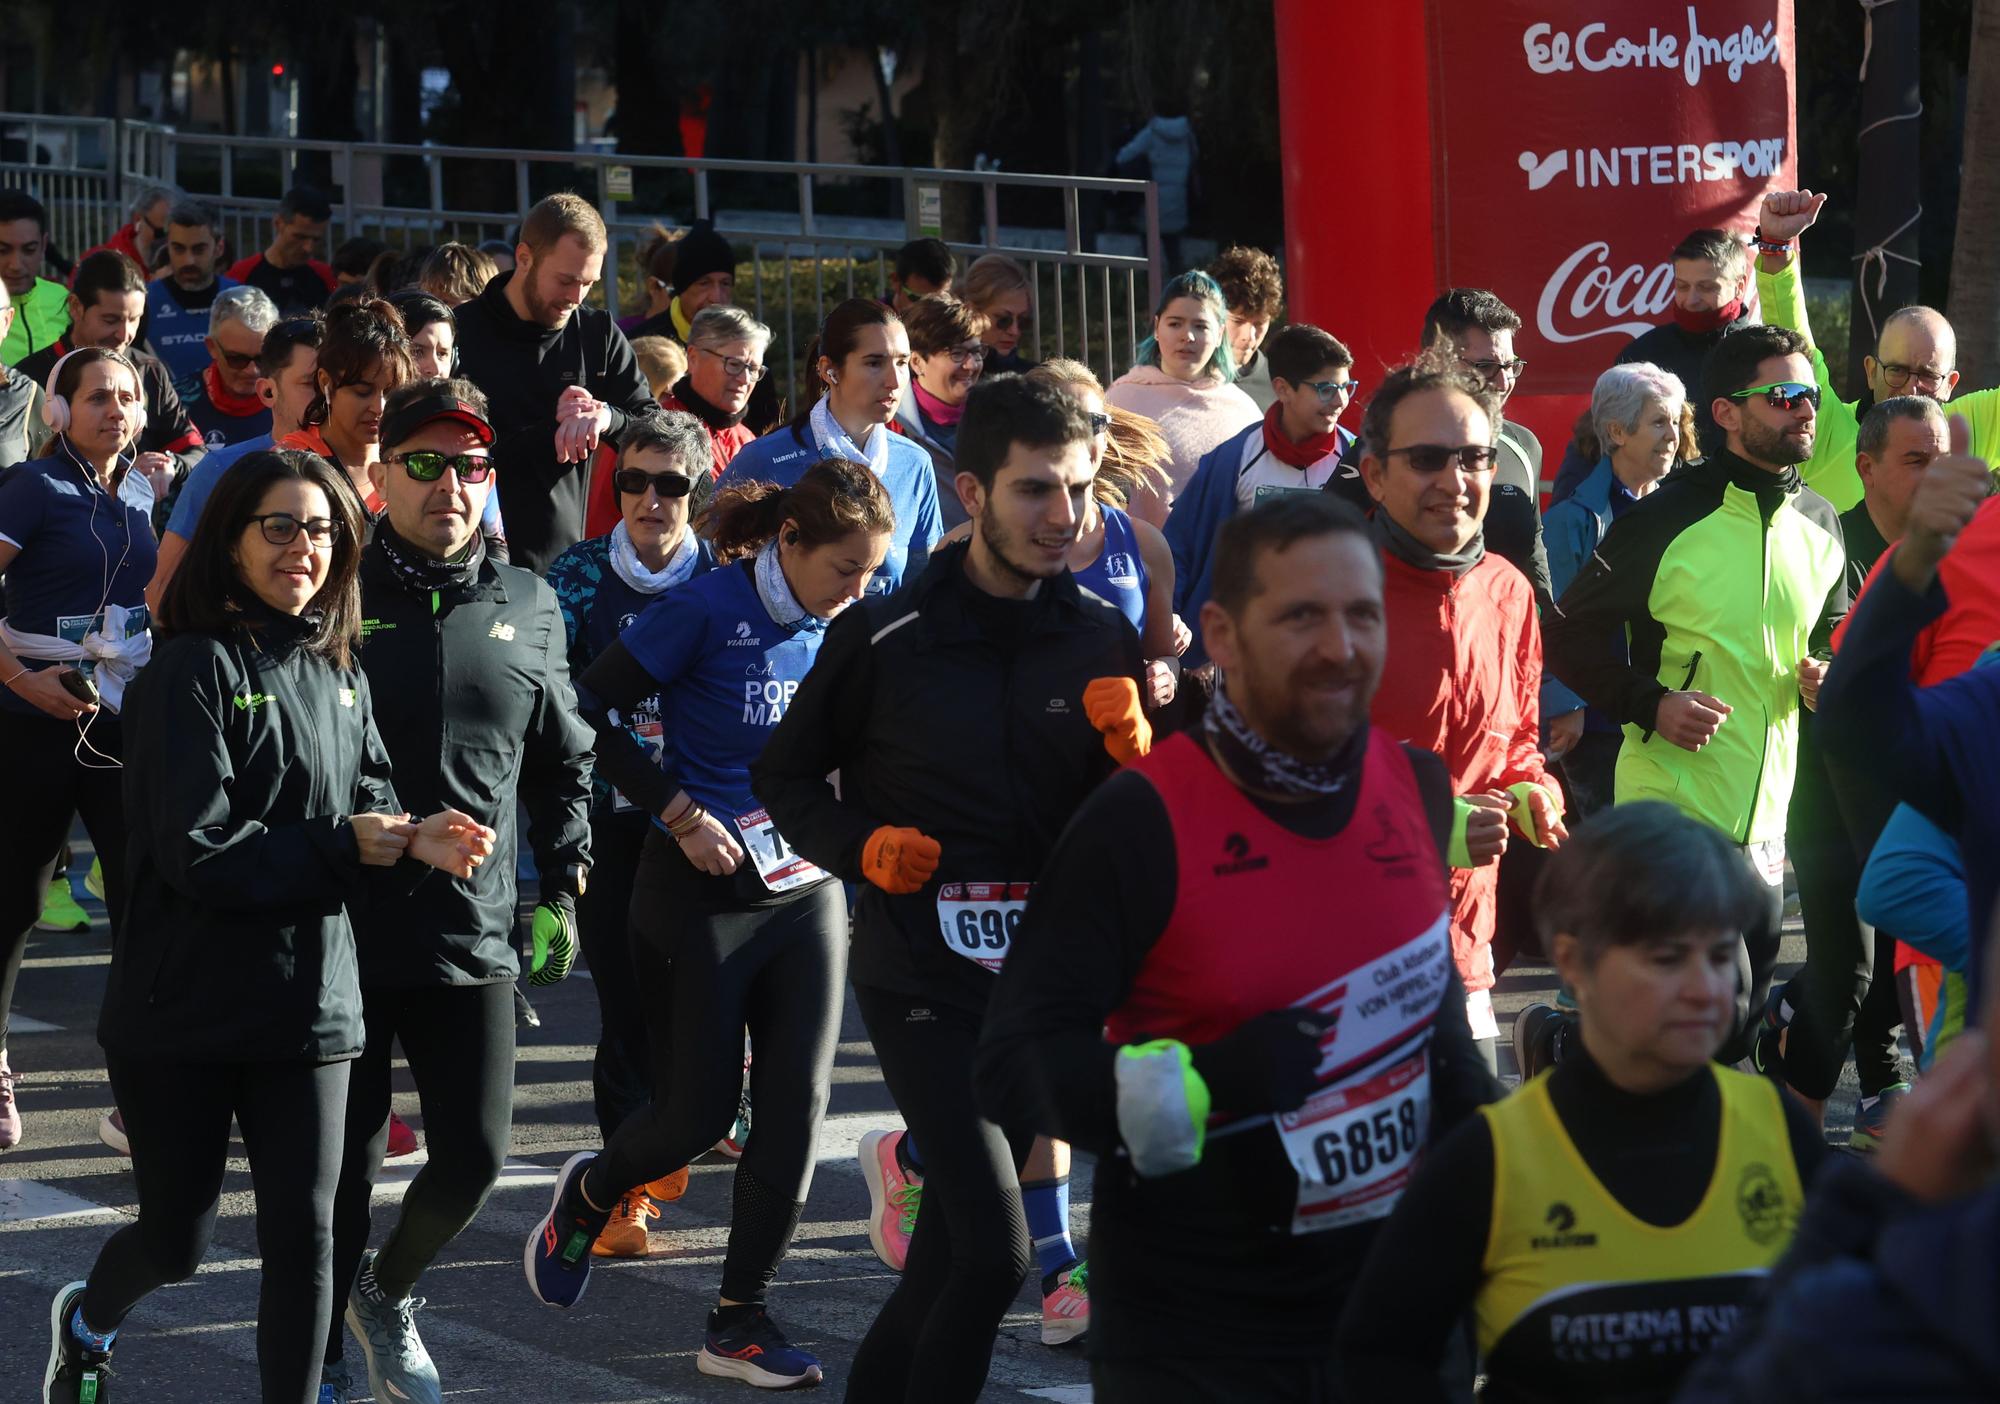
column 1170, row 768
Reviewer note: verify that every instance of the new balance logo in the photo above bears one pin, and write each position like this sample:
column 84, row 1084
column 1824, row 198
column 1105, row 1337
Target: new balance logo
column 502, row 632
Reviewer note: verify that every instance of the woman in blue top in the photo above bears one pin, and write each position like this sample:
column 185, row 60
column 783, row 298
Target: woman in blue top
column 861, row 370
column 75, row 557
column 1643, row 424
column 756, row 935
column 664, row 476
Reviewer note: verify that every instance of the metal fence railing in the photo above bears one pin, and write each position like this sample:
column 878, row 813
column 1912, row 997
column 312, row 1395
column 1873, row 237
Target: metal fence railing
column 814, row 233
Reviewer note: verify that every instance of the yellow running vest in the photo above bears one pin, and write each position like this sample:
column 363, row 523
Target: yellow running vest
column 1583, row 1300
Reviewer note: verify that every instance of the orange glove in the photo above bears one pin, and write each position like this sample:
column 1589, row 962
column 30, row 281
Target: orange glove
column 1112, row 704
column 900, row 861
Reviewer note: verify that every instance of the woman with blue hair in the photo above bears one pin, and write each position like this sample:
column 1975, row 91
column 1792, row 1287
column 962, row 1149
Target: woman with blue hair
column 1184, row 381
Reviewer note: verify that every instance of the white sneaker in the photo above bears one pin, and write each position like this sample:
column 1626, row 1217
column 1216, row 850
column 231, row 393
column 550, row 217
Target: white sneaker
column 111, row 1131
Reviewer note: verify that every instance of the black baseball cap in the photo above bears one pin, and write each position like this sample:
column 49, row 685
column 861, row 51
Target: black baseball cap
column 407, row 420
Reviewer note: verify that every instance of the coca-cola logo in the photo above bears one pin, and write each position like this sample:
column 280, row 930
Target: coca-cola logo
column 1587, row 297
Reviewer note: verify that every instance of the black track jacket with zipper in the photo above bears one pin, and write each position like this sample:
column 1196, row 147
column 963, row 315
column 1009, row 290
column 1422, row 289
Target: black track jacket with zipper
column 985, row 748
column 244, row 758
column 523, row 370
column 473, row 698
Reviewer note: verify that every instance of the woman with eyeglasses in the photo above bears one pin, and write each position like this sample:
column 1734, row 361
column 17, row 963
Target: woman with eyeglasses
column 663, row 479
column 1000, row 290
column 1184, row 382
column 726, row 350
column 364, row 353
column 860, row 364
column 260, row 796
column 1295, row 447
column 755, row 934
column 946, row 358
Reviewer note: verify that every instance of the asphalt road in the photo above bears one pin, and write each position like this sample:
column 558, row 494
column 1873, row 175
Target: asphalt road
column 633, row 1337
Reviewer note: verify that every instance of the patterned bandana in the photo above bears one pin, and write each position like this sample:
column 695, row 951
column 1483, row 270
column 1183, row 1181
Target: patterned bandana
column 1259, row 765
column 423, row 575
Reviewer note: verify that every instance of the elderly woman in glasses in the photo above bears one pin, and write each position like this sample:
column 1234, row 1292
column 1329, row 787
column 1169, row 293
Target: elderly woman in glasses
column 726, row 348
column 946, row 358
column 1642, row 426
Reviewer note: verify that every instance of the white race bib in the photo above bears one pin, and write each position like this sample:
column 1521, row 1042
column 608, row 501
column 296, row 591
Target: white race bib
column 652, row 736
column 1768, row 858
column 978, row 918
column 780, row 869
column 1354, row 1145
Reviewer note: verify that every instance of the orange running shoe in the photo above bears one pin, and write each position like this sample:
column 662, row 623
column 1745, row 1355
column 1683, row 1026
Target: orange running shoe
column 668, row 1188
column 625, row 1235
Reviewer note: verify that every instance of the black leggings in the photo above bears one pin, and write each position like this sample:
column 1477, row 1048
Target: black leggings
column 1756, row 958
column 779, row 968
column 459, row 1042
column 621, row 1071
column 933, row 1339
column 177, row 1116
column 46, row 785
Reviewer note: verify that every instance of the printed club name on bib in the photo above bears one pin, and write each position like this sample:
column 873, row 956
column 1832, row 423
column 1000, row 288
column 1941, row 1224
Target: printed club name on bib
column 978, row 918
column 777, row 866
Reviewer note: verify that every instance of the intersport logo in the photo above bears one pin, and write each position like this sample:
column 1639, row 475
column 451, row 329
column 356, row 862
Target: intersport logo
column 1587, row 297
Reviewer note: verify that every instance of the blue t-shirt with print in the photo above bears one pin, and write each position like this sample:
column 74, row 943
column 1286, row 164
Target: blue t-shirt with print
column 727, row 672
column 597, row 606
column 782, row 457
column 80, row 550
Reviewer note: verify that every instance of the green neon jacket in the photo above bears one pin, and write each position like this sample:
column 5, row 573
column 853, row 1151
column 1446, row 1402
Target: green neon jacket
column 40, row 319
column 1830, row 471
column 1723, row 578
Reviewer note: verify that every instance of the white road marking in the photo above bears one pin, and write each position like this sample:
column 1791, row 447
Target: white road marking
column 21, row 1023
column 32, row 1202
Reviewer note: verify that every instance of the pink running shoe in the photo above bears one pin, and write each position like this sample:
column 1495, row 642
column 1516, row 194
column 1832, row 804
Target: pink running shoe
column 894, row 1196
column 10, row 1110
column 402, row 1140
column 1066, row 1310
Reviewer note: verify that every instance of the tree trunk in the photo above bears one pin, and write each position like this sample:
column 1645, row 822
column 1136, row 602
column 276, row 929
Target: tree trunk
column 1889, row 192
column 952, row 130
column 1974, row 307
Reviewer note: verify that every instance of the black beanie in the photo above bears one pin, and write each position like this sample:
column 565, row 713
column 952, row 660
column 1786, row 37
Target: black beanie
column 700, row 253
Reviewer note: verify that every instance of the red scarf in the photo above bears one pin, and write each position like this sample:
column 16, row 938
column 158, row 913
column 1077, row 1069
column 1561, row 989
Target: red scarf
column 1715, row 318
column 1303, row 454
column 233, row 405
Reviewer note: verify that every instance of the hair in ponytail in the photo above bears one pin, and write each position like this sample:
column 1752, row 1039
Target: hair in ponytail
column 833, row 500
column 835, row 340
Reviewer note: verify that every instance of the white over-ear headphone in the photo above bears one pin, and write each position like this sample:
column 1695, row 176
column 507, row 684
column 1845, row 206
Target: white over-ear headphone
column 55, row 408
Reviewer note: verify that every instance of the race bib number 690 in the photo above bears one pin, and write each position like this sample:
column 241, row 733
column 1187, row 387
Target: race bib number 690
column 977, row 919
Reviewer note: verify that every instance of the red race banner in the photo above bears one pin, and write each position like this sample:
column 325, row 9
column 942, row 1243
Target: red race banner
column 1573, row 144
column 1554, row 152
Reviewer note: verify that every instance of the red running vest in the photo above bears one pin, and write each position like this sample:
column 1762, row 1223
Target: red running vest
column 1356, row 925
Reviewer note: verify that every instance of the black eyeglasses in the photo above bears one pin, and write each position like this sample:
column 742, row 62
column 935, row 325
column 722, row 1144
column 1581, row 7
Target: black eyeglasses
column 1782, row 394
column 974, row 354
column 428, row 465
column 1433, row 458
column 1896, row 377
column 282, row 529
column 235, row 360
column 1099, row 423
column 737, row 366
column 1007, row 321
column 665, row 485
column 1331, row 390
column 1490, row 371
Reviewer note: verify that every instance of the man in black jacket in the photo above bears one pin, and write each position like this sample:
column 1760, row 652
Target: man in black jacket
column 467, row 660
column 968, row 715
column 560, row 376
